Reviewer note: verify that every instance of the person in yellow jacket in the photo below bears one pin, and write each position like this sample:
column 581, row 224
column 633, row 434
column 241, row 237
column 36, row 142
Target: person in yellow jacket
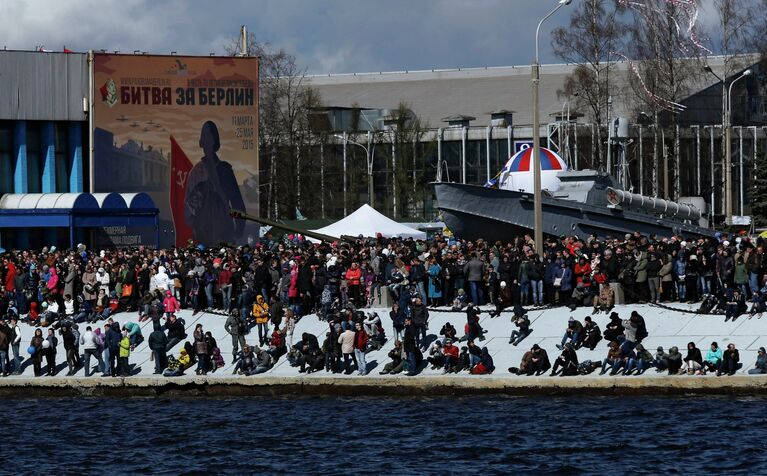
column 184, row 360
column 124, row 354
column 261, row 314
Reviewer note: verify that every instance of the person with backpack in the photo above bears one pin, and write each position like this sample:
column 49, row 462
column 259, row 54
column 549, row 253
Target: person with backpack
column 237, row 328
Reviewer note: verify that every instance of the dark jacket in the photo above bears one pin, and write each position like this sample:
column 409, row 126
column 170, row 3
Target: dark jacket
column 112, row 339
column 157, row 340
column 409, row 339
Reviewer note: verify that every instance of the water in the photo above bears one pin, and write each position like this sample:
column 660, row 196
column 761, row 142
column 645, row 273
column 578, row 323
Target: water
column 692, row 435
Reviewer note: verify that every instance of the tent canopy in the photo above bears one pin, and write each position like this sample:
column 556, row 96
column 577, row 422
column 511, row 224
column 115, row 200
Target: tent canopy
column 368, row 222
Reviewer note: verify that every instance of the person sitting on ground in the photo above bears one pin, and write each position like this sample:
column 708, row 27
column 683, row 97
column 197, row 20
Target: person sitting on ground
column 436, row 356
column 640, row 362
column 641, row 328
column 540, row 360
column 184, row 359
column 397, row 363
column 505, row 299
column 245, row 361
column 485, row 365
column 660, row 361
column 216, row 359
column 606, row 299
column 460, row 301
column 174, row 368
column 757, row 305
column 674, row 361
column 574, row 333
column 730, row 361
column 567, row 361
column 613, row 359
column 134, row 334
column 264, row 362
column 734, row 306
column 592, row 335
column 760, row 367
column 475, row 353
column 448, row 331
column 713, row 359
column 452, row 360
column 693, row 361
column 523, row 325
column 525, row 366
column 614, row 328
column 277, row 347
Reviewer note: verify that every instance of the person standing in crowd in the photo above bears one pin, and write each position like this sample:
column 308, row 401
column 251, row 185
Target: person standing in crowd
column 157, row 343
column 124, row 352
column 201, row 348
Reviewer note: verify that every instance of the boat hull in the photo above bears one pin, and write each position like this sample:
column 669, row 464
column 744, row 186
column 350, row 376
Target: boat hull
column 472, row 212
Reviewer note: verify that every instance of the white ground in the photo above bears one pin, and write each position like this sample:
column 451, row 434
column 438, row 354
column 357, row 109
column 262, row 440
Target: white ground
column 665, row 327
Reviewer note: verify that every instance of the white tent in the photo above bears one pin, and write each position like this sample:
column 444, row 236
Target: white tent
column 368, row 222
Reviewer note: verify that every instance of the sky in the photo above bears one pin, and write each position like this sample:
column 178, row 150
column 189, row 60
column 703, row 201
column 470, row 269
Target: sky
column 326, row 36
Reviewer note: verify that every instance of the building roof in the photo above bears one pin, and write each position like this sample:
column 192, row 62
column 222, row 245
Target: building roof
column 436, row 94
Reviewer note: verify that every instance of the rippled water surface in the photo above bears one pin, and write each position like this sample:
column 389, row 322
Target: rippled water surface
column 691, row 435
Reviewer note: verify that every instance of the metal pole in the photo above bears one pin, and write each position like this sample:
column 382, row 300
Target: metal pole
column 463, row 154
column 298, row 178
column 641, row 164
column 322, row 180
column 344, row 165
column 697, row 159
column 575, row 139
column 439, row 154
column 677, row 165
column 369, row 152
column 727, row 172
column 756, row 141
column 740, row 167
column 609, row 137
column 415, row 189
column 393, row 176
column 487, row 151
column 509, row 151
column 713, row 193
column 655, row 161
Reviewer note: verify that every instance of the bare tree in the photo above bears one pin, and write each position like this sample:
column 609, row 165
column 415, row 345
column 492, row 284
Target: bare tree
column 285, row 140
column 594, row 33
column 667, row 62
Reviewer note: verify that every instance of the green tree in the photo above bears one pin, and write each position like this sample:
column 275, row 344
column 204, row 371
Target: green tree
column 759, row 193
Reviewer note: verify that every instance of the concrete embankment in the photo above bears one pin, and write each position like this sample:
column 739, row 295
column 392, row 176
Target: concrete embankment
column 666, row 328
column 383, row 386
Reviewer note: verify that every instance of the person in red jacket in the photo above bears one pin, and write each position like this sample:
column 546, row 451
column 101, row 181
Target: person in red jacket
column 10, row 277
column 451, row 355
column 360, row 343
column 353, row 279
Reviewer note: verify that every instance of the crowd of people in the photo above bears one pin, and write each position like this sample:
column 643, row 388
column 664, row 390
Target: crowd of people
column 79, row 295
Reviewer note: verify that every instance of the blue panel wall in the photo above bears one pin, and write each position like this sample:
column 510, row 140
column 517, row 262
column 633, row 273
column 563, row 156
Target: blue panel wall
column 75, row 157
column 21, row 170
column 48, row 151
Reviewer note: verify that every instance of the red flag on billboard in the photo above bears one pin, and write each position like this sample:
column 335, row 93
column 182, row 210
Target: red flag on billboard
column 66, row 50
column 179, row 172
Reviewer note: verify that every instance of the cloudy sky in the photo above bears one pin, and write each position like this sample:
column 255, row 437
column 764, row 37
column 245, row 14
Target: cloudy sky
column 327, row 36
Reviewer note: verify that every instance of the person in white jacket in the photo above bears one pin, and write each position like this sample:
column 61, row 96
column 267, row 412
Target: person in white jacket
column 15, row 344
column 161, row 280
column 90, row 345
column 102, row 279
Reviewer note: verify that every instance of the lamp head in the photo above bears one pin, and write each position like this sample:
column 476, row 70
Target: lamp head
column 747, row 72
column 565, row 2
column 707, row 68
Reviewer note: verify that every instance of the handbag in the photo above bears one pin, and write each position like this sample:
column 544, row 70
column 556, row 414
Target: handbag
column 127, row 290
column 557, row 282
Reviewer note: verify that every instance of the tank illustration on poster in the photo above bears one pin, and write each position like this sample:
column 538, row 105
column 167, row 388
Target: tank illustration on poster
column 185, row 131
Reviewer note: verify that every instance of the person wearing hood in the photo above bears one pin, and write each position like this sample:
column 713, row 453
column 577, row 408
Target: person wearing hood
column 485, row 365
column 112, row 339
column 102, row 279
column 170, row 304
column 760, row 367
column 614, row 328
column 157, row 342
column 660, row 361
column 574, row 333
column 261, row 316
column 675, row 361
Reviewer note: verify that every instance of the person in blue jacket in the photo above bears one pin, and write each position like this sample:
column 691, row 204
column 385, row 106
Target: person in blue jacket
column 112, row 340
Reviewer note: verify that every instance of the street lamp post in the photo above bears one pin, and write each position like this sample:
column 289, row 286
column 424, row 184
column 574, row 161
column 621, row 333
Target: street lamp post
column 538, row 200
column 368, row 159
column 728, row 149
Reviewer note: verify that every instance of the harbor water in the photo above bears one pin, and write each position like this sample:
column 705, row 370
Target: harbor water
column 474, row 435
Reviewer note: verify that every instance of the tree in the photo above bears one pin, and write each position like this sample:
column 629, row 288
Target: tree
column 759, row 193
column 667, row 60
column 285, row 139
column 594, row 33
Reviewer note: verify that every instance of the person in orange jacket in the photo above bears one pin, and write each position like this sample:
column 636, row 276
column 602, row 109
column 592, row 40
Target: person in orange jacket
column 261, row 314
column 353, row 279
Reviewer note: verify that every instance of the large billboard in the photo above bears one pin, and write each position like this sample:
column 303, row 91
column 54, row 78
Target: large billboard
column 184, row 130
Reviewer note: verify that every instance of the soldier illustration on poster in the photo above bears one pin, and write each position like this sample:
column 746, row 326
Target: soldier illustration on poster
column 211, row 191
